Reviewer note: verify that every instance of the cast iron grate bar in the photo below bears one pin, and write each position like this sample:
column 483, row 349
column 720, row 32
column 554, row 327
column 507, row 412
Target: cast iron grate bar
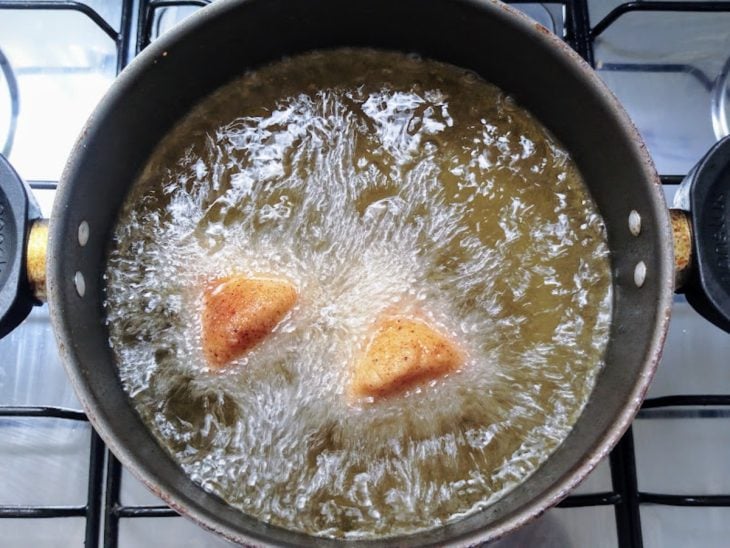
column 125, row 51
column 679, row 400
column 51, row 412
column 42, row 511
column 579, row 29
column 148, row 9
column 111, row 501
column 686, row 407
column 43, row 185
column 145, row 512
column 685, row 500
column 590, row 499
column 623, row 477
column 696, row 7
column 94, row 491
column 683, row 413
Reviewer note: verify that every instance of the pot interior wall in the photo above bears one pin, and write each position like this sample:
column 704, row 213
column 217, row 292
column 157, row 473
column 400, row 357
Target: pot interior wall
column 231, row 37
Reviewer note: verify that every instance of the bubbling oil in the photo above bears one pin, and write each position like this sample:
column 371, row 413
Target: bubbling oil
column 374, row 181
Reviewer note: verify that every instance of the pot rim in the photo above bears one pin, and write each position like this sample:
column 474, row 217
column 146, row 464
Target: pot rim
column 158, row 49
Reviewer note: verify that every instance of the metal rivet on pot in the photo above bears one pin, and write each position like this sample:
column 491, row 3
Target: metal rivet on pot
column 83, row 233
column 80, row 284
column 634, row 222
column 640, row 273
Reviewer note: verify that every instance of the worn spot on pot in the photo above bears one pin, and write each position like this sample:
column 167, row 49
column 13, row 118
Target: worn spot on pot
column 83, row 233
column 542, row 29
column 80, row 283
column 634, row 222
column 640, row 273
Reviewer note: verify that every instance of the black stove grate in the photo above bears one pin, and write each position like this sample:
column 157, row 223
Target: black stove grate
column 103, row 505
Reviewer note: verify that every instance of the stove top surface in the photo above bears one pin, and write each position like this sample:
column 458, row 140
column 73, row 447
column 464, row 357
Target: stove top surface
column 666, row 484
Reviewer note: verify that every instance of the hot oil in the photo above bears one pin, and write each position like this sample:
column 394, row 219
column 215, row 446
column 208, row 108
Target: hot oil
column 375, row 182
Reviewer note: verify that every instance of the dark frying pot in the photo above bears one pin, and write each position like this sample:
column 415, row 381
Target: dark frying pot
column 506, row 48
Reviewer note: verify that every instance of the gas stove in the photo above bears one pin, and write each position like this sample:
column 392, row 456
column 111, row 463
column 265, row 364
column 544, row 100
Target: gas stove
column 666, row 484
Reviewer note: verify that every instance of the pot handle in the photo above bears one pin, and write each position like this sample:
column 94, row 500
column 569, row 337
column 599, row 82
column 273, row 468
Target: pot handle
column 701, row 225
column 18, row 213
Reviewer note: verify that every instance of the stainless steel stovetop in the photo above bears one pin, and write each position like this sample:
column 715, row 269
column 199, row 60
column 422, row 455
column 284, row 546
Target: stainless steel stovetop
column 666, row 485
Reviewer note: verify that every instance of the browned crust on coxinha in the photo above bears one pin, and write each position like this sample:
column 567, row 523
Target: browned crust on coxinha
column 402, row 352
column 239, row 312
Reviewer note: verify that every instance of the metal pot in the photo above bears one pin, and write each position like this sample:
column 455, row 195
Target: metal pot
column 506, row 48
